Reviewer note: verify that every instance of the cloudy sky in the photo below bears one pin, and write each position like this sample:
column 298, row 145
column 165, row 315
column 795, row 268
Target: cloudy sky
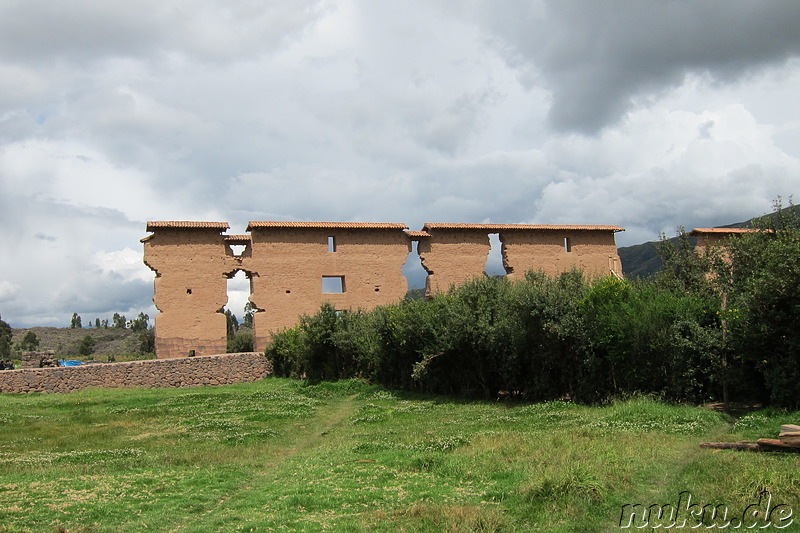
column 645, row 114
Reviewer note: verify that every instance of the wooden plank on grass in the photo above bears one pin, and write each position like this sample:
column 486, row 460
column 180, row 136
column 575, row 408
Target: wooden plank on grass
column 777, row 445
column 730, row 445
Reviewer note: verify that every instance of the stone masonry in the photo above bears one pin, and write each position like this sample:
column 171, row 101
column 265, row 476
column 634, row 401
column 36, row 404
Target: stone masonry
column 185, row 372
column 294, row 267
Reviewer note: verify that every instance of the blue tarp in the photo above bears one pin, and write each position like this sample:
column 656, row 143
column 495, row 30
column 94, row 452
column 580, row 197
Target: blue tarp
column 69, row 363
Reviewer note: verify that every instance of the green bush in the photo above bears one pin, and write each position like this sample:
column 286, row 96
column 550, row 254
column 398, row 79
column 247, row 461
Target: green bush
column 649, row 339
column 241, row 341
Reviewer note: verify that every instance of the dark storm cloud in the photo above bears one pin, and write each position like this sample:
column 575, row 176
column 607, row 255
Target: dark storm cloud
column 598, row 58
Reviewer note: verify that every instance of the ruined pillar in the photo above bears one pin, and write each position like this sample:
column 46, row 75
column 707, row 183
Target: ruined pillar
column 453, row 254
column 296, row 266
column 192, row 262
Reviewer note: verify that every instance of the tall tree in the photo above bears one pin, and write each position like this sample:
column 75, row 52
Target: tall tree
column 232, row 323
column 249, row 311
column 76, row 321
column 119, row 321
column 140, row 323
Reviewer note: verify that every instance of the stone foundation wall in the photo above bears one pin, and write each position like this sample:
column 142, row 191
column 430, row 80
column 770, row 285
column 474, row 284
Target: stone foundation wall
column 182, row 372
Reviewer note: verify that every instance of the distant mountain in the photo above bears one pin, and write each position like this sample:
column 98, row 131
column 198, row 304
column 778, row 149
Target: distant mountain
column 642, row 260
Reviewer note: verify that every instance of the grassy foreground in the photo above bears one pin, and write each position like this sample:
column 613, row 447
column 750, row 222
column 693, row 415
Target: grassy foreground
column 283, row 455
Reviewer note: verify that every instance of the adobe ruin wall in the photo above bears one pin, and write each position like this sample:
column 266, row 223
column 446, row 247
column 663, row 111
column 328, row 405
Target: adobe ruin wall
column 294, row 267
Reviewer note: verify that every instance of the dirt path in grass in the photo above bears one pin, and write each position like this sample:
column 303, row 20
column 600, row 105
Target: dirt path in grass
column 310, row 434
column 678, row 457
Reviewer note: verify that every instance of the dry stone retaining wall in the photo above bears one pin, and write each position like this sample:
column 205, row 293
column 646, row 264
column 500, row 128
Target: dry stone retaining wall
column 183, row 372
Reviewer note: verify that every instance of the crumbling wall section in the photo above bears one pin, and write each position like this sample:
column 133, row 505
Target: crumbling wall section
column 192, row 262
column 452, row 255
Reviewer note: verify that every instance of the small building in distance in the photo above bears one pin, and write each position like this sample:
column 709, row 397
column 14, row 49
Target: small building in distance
column 708, row 238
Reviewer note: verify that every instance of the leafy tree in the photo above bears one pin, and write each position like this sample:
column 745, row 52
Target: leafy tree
column 105, row 323
column 96, row 323
column 87, row 345
column 140, row 323
column 119, row 321
column 76, row 321
column 29, row 342
column 5, row 340
column 762, row 280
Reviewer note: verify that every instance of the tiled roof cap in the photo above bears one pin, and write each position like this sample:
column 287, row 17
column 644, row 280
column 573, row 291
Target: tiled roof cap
column 324, row 225
column 724, row 231
column 507, row 227
column 185, row 224
column 237, row 239
column 418, row 234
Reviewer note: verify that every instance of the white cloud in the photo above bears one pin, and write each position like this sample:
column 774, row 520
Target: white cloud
column 8, row 291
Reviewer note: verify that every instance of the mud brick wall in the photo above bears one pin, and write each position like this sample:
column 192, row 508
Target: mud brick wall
column 557, row 251
column 288, row 265
column 291, row 266
column 183, row 372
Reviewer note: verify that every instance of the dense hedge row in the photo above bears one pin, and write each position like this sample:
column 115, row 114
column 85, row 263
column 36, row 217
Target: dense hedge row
column 540, row 338
column 684, row 336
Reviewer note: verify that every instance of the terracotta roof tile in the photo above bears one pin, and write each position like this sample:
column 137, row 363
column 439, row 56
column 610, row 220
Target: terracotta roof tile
column 701, row 231
column 324, row 225
column 507, row 227
column 237, row 239
column 418, row 234
column 185, row 224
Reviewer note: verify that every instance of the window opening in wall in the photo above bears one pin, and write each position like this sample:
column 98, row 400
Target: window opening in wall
column 414, row 272
column 188, row 291
column 331, row 244
column 494, row 261
column 238, row 249
column 567, row 245
column 238, row 294
column 332, row 284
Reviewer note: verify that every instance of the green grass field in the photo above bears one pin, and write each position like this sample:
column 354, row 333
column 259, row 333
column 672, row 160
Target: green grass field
column 283, row 455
